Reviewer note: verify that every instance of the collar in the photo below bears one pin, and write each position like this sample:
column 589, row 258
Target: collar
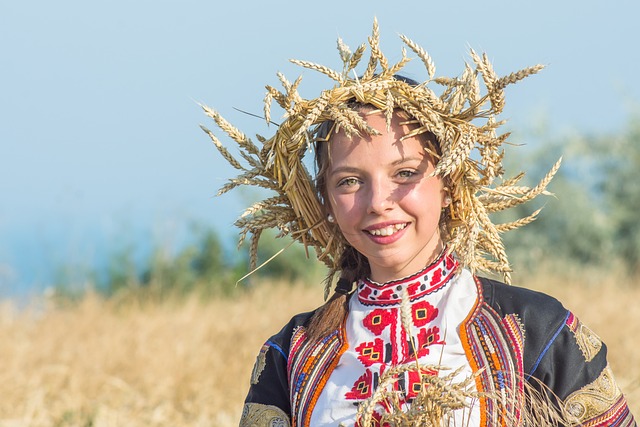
column 431, row 279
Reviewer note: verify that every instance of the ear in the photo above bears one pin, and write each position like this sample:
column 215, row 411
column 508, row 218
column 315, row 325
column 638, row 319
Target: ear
column 329, row 213
column 446, row 197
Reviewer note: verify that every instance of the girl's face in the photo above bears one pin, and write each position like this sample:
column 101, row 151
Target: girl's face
column 384, row 200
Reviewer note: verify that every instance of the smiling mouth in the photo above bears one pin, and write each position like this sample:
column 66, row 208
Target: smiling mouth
column 388, row 230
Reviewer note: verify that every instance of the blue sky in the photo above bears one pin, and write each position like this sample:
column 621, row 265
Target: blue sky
column 99, row 135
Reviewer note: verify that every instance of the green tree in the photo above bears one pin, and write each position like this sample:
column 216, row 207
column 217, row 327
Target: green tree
column 621, row 190
column 594, row 217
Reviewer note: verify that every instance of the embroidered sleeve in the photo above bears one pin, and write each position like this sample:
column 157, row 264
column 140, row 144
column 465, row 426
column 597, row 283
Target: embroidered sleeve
column 267, row 403
column 573, row 365
column 599, row 403
column 258, row 415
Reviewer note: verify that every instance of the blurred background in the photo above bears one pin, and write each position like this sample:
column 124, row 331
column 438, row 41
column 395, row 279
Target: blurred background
column 119, row 294
column 101, row 154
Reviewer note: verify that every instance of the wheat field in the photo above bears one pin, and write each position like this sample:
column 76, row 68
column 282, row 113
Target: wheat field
column 186, row 362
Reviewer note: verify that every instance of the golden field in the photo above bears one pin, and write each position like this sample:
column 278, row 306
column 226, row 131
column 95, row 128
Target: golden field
column 186, row 362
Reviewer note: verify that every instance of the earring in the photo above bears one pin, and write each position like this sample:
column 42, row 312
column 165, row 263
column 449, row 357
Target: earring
column 447, row 201
column 331, row 219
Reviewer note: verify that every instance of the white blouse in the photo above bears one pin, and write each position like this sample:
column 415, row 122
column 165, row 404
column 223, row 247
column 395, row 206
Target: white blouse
column 441, row 297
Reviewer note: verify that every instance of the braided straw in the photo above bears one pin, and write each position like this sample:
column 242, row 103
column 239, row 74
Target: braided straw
column 462, row 119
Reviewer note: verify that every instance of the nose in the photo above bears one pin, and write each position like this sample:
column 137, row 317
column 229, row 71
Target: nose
column 380, row 197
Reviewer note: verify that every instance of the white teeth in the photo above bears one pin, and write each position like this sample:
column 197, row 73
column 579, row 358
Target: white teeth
column 387, row 231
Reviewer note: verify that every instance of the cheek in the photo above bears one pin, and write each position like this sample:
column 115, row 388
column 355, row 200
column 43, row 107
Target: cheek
column 344, row 208
column 428, row 200
column 341, row 204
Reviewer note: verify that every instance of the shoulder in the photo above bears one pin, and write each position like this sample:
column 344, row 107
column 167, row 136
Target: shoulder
column 269, row 389
column 560, row 354
column 541, row 318
column 526, row 303
column 282, row 339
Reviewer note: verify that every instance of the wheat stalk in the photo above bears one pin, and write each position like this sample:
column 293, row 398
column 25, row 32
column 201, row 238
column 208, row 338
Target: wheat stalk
column 517, row 76
column 320, row 68
column 422, row 54
column 462, row 118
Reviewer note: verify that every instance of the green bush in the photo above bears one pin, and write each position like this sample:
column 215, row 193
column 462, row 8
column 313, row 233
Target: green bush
column 201, row 266
column 593, row 218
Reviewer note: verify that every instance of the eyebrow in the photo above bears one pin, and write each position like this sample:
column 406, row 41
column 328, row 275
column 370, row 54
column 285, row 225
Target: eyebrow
column 400, row 161
column 407, row 159
column 343, row 169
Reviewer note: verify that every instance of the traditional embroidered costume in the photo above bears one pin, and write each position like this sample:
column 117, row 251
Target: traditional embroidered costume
column 443, row 343
column 511, row 335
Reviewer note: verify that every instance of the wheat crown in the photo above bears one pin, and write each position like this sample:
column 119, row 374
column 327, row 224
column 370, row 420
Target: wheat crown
column 460, row 115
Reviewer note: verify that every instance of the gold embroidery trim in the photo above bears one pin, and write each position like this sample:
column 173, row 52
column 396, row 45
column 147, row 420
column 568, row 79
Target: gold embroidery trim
column 259, row 415
column 589, row 343
column 261, row 362
column 594, row 399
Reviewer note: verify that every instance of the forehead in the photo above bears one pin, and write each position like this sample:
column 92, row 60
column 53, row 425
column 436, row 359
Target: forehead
column 400, row 124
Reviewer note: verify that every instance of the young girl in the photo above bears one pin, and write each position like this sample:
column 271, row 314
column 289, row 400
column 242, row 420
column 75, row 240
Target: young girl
column 399, row 211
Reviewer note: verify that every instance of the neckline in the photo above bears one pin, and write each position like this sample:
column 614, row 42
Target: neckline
column 430, row 279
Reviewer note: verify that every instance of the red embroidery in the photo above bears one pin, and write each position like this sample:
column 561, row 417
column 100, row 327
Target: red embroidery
column 377, row 418
column 572, row 322
column 437, row 277
column 424, row 282
column 413, row 289
column 371, row 352
column 426, row 338
column 365, row 292
column 450, row 262
column 378, row 320
column 362, row 388
column 387, row 295
column 423, row 313
column 417, row 380
column 383, row 341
